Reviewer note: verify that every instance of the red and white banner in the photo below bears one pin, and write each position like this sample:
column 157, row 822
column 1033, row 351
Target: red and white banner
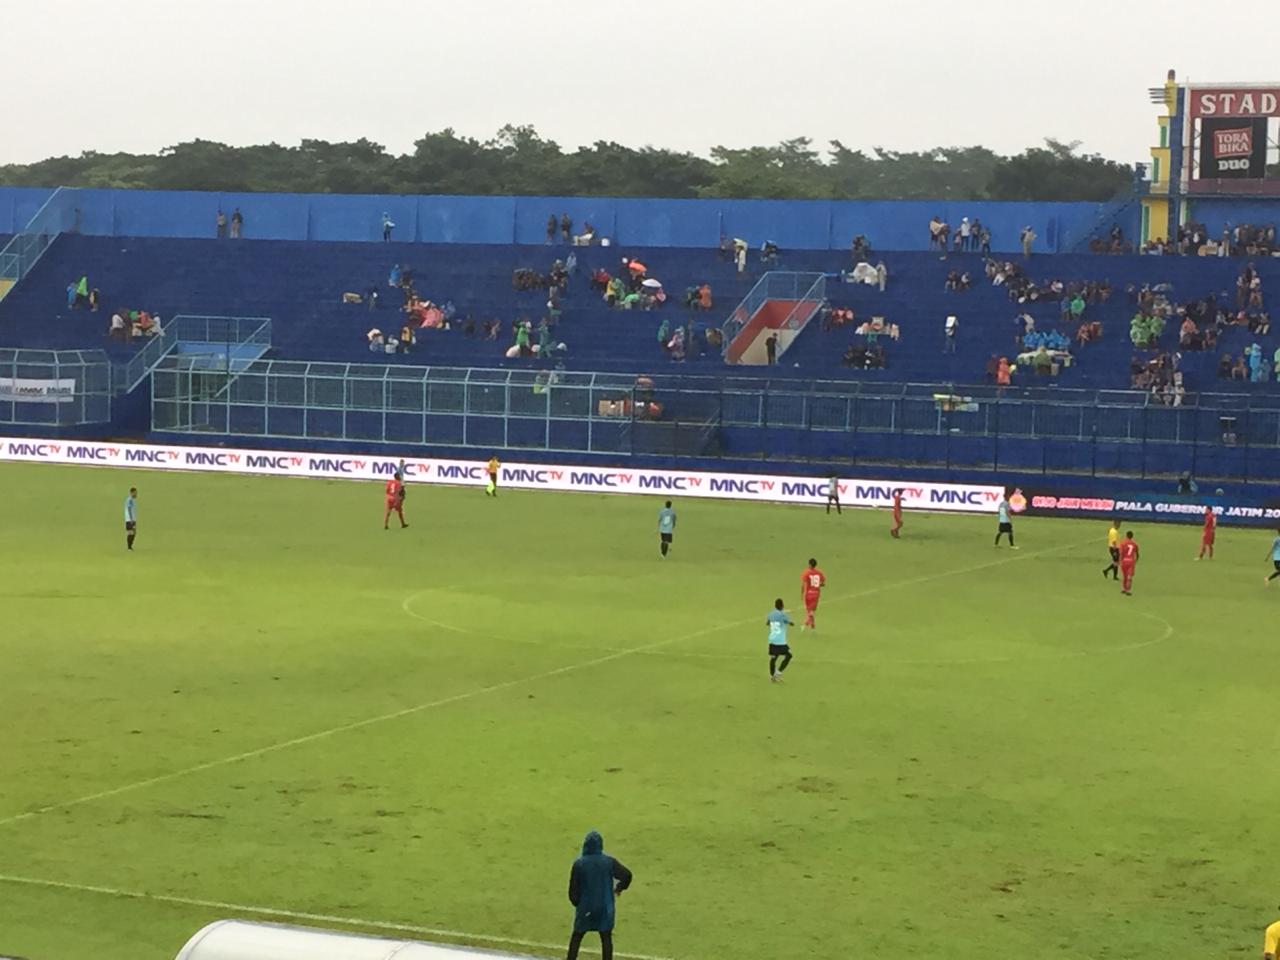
column 955, row 497
column 1234, row 101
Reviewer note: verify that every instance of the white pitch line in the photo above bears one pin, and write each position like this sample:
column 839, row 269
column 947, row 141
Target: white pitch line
column 454, row 935
column 492, row 688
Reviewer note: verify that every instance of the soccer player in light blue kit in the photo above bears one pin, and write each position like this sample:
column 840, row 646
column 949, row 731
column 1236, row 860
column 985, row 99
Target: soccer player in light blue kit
column 131, row 516
column 666, row 527
column 1006, row 525
column 778, row 620
column 1275, row 559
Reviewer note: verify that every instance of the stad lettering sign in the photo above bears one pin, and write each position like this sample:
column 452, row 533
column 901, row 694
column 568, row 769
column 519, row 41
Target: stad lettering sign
column 1234, row 102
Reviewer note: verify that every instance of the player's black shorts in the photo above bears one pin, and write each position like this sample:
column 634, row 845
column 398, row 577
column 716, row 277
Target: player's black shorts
column 493, row 478
column 1115, row 554
column 131, row 525
column 666, row 537
column 1006, row 528
column 1277, row 564
column 779, row 650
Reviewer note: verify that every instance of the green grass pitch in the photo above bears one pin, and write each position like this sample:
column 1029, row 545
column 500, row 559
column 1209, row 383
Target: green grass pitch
column 274, row 704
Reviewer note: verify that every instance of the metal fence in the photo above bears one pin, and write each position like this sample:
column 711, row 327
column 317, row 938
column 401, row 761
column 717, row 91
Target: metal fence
column 559, row 411
column 60, row 388
column 225, row 342
column 59, row 213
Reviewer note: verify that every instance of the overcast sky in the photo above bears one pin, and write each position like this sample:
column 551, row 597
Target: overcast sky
column 139, row 75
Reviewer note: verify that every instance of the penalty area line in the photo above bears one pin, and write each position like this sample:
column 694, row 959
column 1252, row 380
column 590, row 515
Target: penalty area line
column 457, row 936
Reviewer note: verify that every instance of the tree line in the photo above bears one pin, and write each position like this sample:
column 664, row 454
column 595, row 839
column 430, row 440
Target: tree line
column 519, row 161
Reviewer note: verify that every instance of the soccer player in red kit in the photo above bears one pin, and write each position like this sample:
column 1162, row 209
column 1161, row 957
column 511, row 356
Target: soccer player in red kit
column 811, row 582
column 395, row 501
column 1210, row 530
column 897, row 513
column 1128, row 562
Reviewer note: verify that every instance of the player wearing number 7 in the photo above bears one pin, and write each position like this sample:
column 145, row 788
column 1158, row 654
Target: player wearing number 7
column 811, row 583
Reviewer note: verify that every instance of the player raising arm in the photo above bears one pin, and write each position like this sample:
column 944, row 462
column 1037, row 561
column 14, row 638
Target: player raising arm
column 811, row 583
column 1210, row 531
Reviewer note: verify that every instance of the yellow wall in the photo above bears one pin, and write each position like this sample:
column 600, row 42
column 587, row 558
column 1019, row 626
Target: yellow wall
column 1155, row 218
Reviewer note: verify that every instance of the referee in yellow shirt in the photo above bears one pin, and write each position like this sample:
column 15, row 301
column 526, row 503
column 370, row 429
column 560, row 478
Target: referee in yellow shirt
column 1113, row 547
column 1270, row 940
column 492, row 489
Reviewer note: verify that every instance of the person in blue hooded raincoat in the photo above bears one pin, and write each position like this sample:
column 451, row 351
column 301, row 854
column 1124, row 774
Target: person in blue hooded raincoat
column 594, row 880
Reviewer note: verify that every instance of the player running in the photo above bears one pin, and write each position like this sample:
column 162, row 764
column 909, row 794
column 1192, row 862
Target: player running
column 811, row 583
column 666, row 528
column 492, row 489
column 395, row 500
column 131, row 518
column 897, row 513
column 1128, row 562
column 833, row 494
column 778, row 620
column 1275, row 559
column 1113, row 548
column 1209, row 533
column 1006, row 525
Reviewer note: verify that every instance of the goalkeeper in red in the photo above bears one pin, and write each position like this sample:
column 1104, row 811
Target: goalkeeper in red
column 395, row 500
column 811, row 583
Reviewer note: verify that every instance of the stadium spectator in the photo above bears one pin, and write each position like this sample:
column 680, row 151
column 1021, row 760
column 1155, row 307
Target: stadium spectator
column 387, row 226
column 552, row 223
column 95, row 298
column 769, row 253
column 993, row 366
column 393, row 276
column 664, row 333
column 1240, row 369
column 566, row 228
column 237, row 223
column 726, row 248
column 861, row 249
column 1089, row 332
column 1003, row 372
column 937, row 234
column 951, row 330
column 964, row 233
column 676, row 345
column 1258, row 367
column 1027, row 238
column 408, row 338
column 740, row 255
column 771, row 349
column 882, row 275
column 984, row 239
column 1224, row 366
column 117, row 329
column 587, row 237
column 220, row 224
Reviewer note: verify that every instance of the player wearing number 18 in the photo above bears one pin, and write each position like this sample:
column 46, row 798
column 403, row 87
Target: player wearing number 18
column 811, row 583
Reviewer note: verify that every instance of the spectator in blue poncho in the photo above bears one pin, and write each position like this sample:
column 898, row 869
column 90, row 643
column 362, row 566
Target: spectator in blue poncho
column 594, row 881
